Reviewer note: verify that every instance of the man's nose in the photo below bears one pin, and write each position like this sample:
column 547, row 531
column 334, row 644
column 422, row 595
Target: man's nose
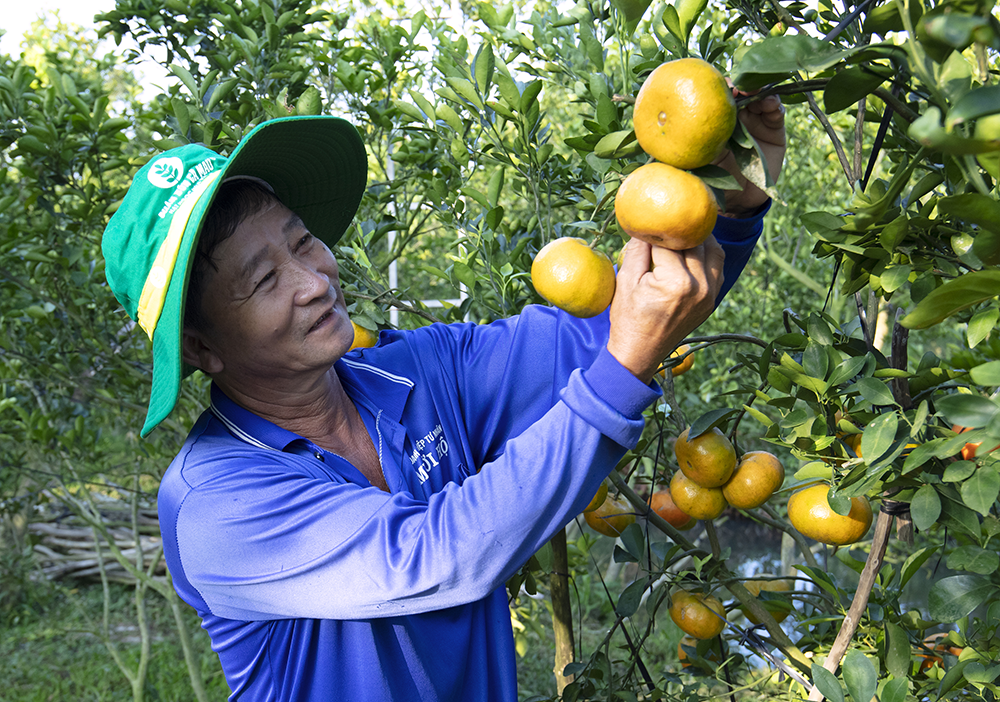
column 311, row 282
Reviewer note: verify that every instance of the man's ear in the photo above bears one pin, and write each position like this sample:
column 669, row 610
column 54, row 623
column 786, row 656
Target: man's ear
column 196, row 352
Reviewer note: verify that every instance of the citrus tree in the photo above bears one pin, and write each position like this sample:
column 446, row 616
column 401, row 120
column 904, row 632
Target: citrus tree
column 492, row 134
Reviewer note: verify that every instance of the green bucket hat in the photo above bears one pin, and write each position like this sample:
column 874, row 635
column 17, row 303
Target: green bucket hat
column 317, row 166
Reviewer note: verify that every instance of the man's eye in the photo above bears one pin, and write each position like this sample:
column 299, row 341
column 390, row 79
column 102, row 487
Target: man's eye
column 263, row 281
column 303, row 242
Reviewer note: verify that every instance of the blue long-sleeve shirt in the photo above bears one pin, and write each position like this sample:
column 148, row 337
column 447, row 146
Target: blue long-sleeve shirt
column 313, row 585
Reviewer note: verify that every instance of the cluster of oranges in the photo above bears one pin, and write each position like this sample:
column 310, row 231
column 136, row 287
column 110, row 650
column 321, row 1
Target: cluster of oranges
column 710, row 478
column 683, row 116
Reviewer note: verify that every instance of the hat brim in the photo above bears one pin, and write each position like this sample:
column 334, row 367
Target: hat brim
column 317, row 167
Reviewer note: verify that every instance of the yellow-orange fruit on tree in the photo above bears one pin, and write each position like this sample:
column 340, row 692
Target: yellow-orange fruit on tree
column 684, row 113
column 691, row 498
column 708, row 459
column 598, row 499
column 698, row 615
column 666, row 206
column 611, row 517
column 663, row 504
column 574, row 277
column 810, row 513
column 363, row 338
column 691, row 642
column 685, row 365
column 779, row 610
column 757, row 476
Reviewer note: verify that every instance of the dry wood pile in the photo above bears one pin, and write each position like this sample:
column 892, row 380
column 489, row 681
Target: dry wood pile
column 66, row 546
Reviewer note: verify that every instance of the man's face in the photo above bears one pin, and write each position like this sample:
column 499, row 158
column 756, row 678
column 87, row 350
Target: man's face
column 275, row 308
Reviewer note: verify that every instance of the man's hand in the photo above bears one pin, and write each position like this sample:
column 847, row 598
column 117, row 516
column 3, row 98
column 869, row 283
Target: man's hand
column 653, row 310
column 764, row 120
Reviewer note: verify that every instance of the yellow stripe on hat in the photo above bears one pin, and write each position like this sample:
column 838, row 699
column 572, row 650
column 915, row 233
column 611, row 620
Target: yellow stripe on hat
column 154, row 290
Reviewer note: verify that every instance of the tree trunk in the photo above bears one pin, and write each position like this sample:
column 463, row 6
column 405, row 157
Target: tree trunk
column 562, row 614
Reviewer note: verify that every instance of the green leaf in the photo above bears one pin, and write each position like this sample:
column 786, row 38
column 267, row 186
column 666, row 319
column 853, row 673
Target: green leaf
column 629, row 601
column 875, row 392
column 980, row 326
column 710, row 419
column 913, row 564
column 952, row 598
column 981, row 490
column 925, row 507
column 987, row 374
column 859, row 675
column 672, row 21
column 529, row 96
column 894, row 277
column 974, row 560
column 784, row 55
column 953, row 297
column 849, row 86
column 967, row 410
column 716, row 177
column 688, row 12
column 928, row 131
column 484, row 64
column 633, row 540
column 827, row 683
column 895, row 690
column 972, row 208
column 986, row 245
column 878, row 436
column 847, row 370
column 974, row 104
column 897, row 650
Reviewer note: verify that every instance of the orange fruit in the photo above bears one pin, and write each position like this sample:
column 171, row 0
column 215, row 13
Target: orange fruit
column 685, row 365
column 970, row 450
column 666, row 206
column 691, row 498
column 571, row 275
column 755, row 479
column 778, row 610
column 663, row 504
column 939, row 645
column 611, row 517
column 699, row 616
column 708, row 459
column 363, row 338
column 684, row 113
column 810, row 513
column 691, row 642
column 598, row 499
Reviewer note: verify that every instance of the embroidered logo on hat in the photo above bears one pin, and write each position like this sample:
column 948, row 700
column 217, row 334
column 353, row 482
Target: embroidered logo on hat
column 166, row 172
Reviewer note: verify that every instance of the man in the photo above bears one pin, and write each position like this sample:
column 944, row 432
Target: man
column 344, row 522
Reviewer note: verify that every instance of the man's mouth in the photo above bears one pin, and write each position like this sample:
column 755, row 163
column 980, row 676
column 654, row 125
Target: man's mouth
column 319, row 322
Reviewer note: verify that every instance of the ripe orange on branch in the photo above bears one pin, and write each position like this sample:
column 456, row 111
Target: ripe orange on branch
column 685, row 365
column 666, row 206
column 755, row 479
column 691, row 498
column 663, row 504
column 598, row 499
column 810, row 513
column 611, row 517
column 778, row 610
column 709, row 459
column 574, row 277
column 697, row 615
column 684, row 113
column 363, row 338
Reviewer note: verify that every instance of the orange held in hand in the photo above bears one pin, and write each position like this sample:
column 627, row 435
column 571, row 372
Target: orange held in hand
column 684, row 113
column 574, row 277
column 697, row 615
column 666, row 206
column 755, row 479
column 611, row 517
column 709, row 459
column 663, row 504
column 810, row 513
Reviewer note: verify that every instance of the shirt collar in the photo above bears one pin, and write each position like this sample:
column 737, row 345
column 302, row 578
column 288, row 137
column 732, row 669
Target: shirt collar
column 377, row 388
